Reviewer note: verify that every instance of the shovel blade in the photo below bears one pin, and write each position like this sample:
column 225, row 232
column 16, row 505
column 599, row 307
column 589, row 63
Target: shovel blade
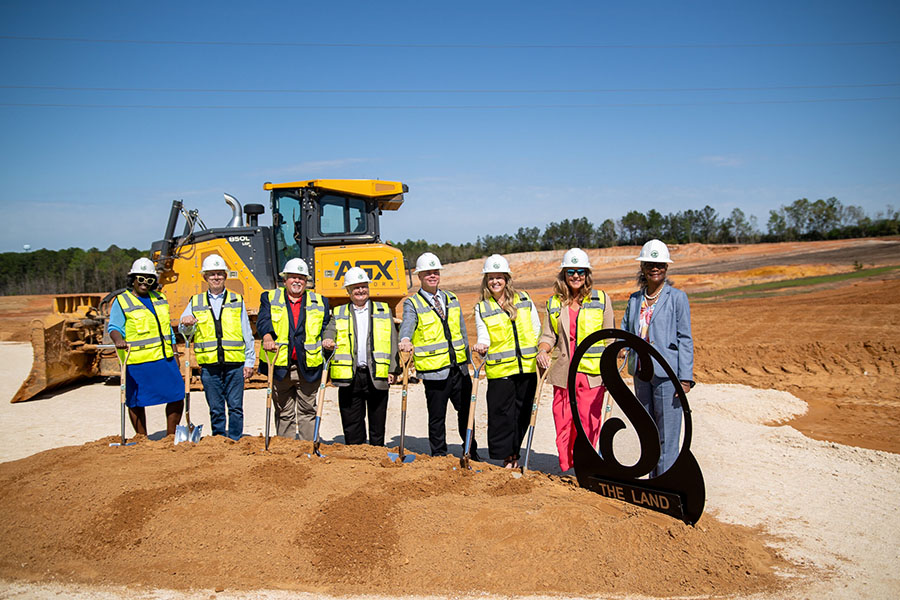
column 183, row 434
column 407, row 458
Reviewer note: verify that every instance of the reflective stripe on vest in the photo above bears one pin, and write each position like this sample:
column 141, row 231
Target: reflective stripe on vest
column 430, row 340
column 512, row 350
column 206, row 343
column 341, row 368
column 142, row 328
column 589, row 320
column 281, row 315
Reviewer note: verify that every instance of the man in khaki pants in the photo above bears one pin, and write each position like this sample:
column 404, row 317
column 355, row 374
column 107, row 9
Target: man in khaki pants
column 297, row 316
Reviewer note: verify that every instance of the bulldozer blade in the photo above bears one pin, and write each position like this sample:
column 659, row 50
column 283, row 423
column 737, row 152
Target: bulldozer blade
column 62, row 346
column 55, row 363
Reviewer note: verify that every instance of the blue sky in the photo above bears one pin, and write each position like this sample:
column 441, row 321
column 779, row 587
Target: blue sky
column 498, row 115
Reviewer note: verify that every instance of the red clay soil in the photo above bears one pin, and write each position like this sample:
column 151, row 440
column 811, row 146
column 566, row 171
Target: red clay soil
column 228, row 515
column 837, row 349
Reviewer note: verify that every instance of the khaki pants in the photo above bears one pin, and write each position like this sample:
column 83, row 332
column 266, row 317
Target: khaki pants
column 294, row 400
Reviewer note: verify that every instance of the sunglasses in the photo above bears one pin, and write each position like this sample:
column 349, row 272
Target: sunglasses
column 654, row 265
column 580, row 272
column 145, row 280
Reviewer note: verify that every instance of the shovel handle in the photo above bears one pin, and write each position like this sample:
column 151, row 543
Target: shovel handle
column 470, row 426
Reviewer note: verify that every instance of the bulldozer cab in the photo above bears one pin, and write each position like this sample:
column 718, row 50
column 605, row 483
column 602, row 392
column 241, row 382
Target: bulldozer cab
column 320, row 220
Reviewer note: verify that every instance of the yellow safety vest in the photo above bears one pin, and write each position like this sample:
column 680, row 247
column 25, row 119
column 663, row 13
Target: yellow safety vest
column 341, row 369
column 207, row 341
column 589, row 320
column 432, row 348
column 512, row 350
column 143, row 329
column 281, row 314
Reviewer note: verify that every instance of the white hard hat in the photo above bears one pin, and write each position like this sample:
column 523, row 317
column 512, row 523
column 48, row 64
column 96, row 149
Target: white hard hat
column 575, row 258
column 428, row 262
column 496, row 264
column 355, row 275
column 654, row 251
column 143, row 266
column 296, row 266
column 213, row 262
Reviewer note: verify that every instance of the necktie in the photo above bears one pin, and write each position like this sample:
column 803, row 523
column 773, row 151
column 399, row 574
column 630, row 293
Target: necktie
column 437, row 306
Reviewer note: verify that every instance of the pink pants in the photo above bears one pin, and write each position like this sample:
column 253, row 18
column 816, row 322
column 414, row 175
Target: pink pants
column 590, row 411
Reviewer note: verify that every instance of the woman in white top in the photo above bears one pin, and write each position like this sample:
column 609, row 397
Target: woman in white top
column 508, row 326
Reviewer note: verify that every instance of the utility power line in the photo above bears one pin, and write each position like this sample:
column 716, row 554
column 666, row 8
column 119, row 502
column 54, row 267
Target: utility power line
column 447, row 91
column 610, row 46
column 446, row 106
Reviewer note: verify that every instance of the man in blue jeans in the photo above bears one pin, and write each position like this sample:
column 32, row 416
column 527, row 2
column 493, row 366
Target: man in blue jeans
column 223, row 347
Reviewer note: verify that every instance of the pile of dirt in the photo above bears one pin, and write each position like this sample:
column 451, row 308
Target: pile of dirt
column 228, row 515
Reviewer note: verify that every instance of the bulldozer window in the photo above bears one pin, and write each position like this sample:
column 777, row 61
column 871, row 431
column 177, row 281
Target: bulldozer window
column 341, row 216
column 287, row 229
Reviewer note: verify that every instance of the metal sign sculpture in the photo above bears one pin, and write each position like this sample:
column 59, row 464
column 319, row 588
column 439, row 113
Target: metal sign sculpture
column 680, row 491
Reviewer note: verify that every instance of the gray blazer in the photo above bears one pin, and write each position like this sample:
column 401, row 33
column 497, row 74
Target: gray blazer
column 408, row 328
column 331, row 331
column 670, row 330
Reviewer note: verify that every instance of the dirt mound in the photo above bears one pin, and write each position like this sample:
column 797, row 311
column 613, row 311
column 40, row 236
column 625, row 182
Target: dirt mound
column 226, row 514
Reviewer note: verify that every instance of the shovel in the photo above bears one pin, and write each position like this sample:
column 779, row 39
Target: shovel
column 123, row 362
column 470, row 428
column 269, row 375
column 189, row 432
column 405, row 358
column 534, row 409
column 320, row 405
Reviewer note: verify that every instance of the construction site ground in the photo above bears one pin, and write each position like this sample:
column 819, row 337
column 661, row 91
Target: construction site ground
column 795, row 416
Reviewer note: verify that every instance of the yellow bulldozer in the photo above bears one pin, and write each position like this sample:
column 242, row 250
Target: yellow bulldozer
column 332, row 224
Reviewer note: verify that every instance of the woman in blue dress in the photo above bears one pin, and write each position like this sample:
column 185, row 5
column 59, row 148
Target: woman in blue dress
column 139, row 318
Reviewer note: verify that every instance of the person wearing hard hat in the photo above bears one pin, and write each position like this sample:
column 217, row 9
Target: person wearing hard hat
column 433, row 327
column 574, row 311
column 293, row 316
column 223, row 346
column 364, row 340
column 139, row 319
column 661, row 315
column 508, row 326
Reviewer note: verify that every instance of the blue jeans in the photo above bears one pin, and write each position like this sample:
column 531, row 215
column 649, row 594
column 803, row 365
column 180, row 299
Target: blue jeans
column 659, row 400
column 224, row 384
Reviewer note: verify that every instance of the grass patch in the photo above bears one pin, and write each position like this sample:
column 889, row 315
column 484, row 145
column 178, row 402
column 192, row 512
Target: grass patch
column 759, row 289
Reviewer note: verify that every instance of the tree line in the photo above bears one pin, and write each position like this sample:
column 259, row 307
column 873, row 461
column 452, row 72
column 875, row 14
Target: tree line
column 801, row 220
column 69, row 271
column 74, row 270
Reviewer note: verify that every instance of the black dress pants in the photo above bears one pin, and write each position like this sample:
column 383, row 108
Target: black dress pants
column 353, row 401
column 509, row 401
column 457, row 389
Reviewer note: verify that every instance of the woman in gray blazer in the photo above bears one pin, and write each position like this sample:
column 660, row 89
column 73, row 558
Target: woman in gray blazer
column 661, row 315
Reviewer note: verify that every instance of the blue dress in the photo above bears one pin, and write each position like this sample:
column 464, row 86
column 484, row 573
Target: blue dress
column 149, row 383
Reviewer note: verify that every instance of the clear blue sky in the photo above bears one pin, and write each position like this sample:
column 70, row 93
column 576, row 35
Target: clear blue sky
column 497, row 114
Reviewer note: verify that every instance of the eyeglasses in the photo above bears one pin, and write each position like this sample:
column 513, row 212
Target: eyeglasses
column 579, row 272
column 145, row 280
column 652, row 265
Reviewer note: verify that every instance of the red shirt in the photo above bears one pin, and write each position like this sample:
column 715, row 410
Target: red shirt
column 295, row 306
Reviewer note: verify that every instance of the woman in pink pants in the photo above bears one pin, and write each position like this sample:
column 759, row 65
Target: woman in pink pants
column 573, row 312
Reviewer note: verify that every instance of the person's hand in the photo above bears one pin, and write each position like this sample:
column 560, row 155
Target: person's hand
column 543, row 359
column 188, row 320
column 480, row 349
column 121, row 344
column 248, row 372
column 405, row 346
column 268, row 343
column 686, row 386
column 328, row 344
column 622, row 354
column 391, row 378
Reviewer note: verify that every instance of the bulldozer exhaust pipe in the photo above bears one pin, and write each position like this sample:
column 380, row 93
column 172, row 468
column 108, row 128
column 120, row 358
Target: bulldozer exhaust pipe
column 237, row 216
